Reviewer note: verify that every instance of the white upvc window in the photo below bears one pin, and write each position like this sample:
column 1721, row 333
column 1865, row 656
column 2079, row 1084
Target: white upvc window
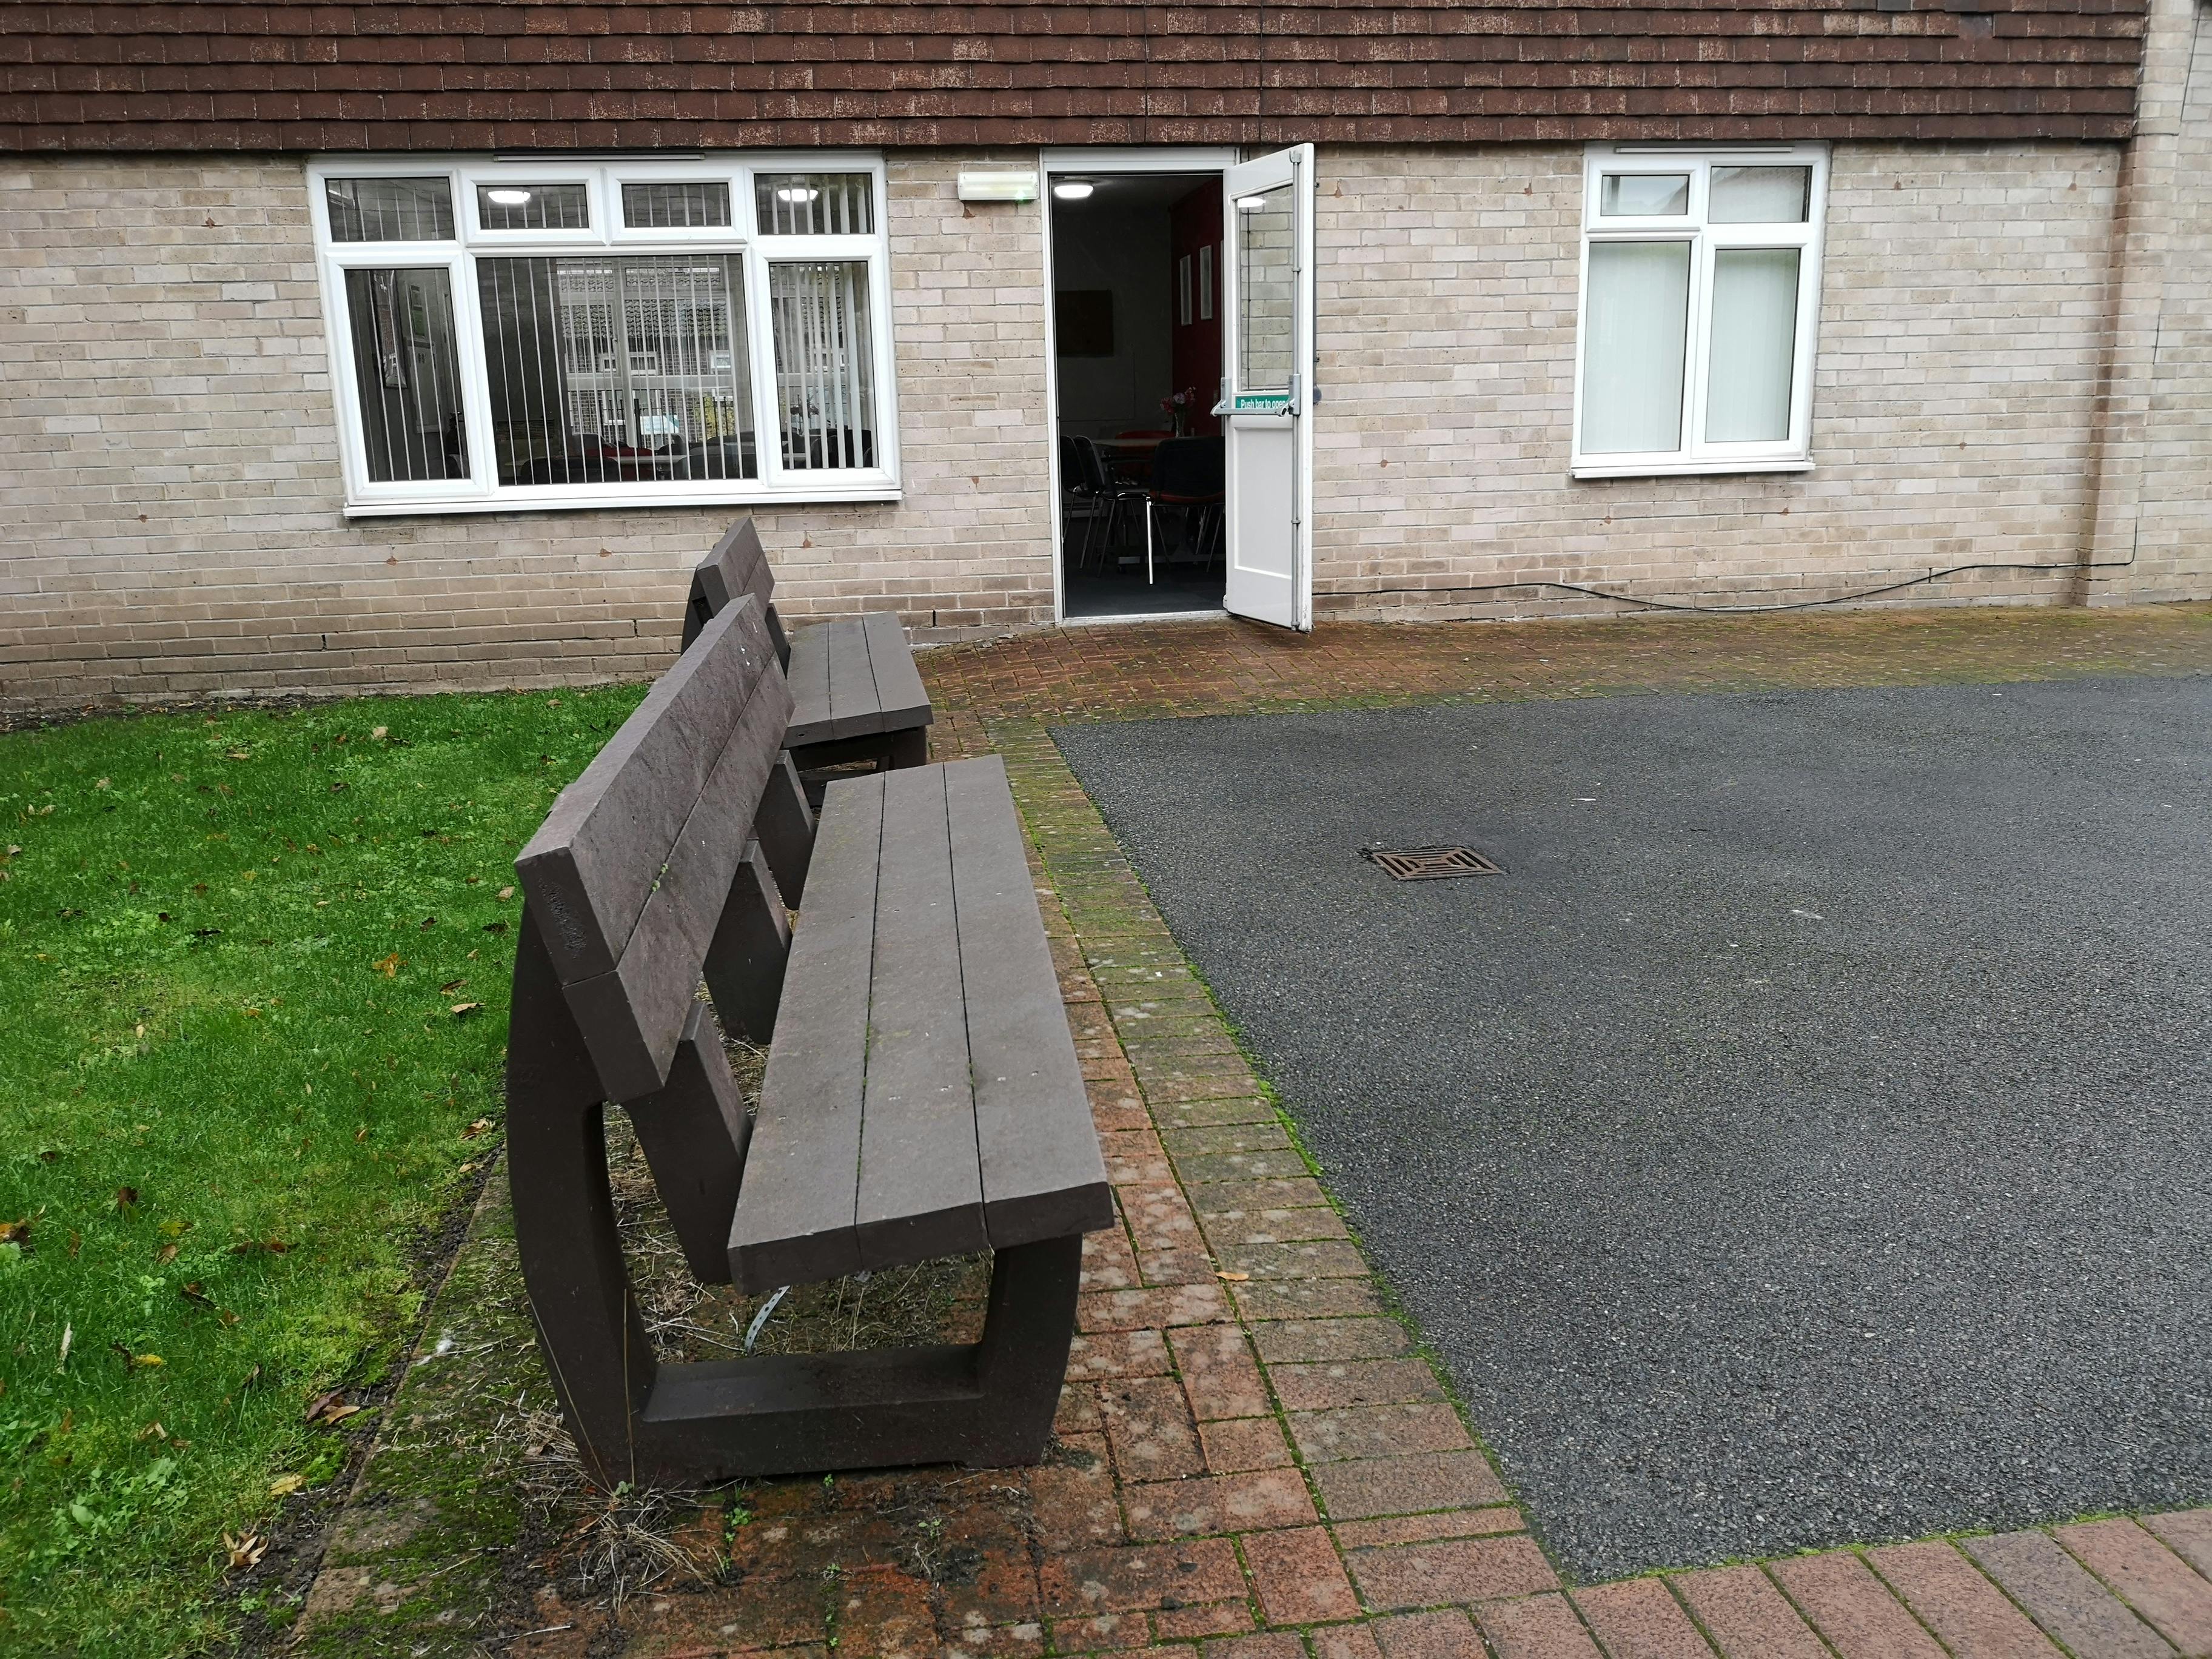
column 541, row 333
column 1700, row 293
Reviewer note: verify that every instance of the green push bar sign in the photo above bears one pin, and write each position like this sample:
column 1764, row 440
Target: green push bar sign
column 1259, row 402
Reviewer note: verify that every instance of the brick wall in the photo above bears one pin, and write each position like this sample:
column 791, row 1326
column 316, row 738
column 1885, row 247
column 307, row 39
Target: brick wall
column 168, row 463
column 1962, row 333
column 2171, row 548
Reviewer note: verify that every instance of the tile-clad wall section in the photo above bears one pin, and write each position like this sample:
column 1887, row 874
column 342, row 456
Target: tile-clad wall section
column 1962, row 335
column 168, row 462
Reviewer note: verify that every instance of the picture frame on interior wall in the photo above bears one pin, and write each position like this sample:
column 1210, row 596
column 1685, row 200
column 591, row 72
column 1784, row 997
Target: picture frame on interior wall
column 1697, row 309
column 1205, row 283
column 511, row 333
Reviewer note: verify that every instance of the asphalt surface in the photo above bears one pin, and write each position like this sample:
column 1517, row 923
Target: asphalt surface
column 1808, row 1139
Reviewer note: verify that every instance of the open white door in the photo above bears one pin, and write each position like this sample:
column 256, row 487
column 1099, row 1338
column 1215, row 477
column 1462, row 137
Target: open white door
column 1267, row 392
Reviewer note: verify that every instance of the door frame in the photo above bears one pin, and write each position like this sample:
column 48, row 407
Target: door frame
column 1102, row 159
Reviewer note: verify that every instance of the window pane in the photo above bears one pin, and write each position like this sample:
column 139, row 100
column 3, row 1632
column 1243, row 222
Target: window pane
column 1644, row 195
column 618, row 370
column 815, row 204
column 1265, row 290
column 824, row 363
column 407, row 375
column 1754, row 344
column 389, row 210
column 1635, row 324
column 533, row 207
column 1759, row 196
column 675, row 206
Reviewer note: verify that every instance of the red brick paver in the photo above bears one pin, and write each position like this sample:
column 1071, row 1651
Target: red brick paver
column 1746, row 1616
column 1639, row 1620
column 2151, row 1578
column 2060, row 1595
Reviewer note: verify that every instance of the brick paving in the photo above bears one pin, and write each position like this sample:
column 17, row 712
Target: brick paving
column 1255, row 1456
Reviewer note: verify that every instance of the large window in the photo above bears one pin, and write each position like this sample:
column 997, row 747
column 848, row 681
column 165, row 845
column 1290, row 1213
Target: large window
column 508, row 334
column 1701, row 286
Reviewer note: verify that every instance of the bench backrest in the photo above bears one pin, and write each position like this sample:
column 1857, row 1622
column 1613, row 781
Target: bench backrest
column 738, row 566
column 627, row 877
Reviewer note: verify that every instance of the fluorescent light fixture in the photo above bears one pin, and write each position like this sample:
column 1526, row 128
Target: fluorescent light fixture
column 995, row 184
column 1072, row 190
column 509, row 197
column 1250, row 203
column 798, row 194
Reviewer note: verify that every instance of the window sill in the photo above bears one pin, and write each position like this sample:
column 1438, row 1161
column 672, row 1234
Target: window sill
column 1684, row 469
column 518, row 501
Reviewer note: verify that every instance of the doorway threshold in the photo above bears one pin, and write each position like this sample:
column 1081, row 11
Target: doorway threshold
column 1122, row 617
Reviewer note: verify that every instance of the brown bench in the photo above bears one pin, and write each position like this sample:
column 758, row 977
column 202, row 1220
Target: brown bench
column 922, row 1096
column 855, row 693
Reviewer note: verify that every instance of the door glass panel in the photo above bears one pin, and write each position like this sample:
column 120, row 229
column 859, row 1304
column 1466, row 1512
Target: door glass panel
column 1644, row 195
column 1754, row 344
column 408, row 375
column 824, row 362
column 1759, row 196
column 1266, row 288
column 624, row 370
column 1634, row 326
column 389, row 210
column 533, row 207
column 815, row 204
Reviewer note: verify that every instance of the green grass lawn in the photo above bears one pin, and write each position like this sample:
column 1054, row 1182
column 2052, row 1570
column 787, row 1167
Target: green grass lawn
column 254, row 975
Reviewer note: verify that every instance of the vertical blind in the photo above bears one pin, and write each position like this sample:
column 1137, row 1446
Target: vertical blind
column 1635, row 329
column 1754, row 344
column 814, row 203
column 618, row 368
column 407, row 373
column 825, row 372
column 389, row 210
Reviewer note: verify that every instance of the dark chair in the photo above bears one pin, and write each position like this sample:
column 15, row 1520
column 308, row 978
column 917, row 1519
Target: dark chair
column 1190, row 473
column 1097, row 484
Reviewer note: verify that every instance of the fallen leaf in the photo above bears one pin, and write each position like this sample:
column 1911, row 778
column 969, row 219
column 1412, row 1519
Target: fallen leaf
column 475, row 1129
column 245, row 1552
column 165, row 1256
column 285, row 1485
column 196, row 1291
column 507, row 892
column 494, row 928
column 361, row 1135
column 15, row 1232
column 68, row 1335
column 50, row 1157
column 174, row 1228
column 238, row 754
column 379, row 731
column 453, row 985
column 126, row 1198
column 339, row 1413
column 389, row 967
column 102, row 784
column 1235, row 1279
column 152, row 1431
column 463, row 1010
column 429, row 922
column 322, row 1402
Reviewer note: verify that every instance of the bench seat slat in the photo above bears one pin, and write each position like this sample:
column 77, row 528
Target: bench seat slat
column 1042, row 1173
column 797, row 1203
column 902, row 700
column 921, row 1188
column 852, row 708
column 810, row 686
column 936, row 1020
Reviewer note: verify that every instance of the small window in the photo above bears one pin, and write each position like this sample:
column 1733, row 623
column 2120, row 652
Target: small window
column 407, row 373
column 814, row 204
column 1700, row 289
column 525, row 206
column 389, row 210
column 684, row 206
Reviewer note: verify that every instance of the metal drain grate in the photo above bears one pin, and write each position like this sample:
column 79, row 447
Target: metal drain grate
column 1431, row 863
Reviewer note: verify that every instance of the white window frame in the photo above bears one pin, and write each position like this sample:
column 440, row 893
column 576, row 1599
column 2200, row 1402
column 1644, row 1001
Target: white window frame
column 1696, row 455
column 480, row 492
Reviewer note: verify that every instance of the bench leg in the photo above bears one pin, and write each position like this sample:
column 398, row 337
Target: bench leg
column 910, row 747
column 987, row 1407
column 594, row 1342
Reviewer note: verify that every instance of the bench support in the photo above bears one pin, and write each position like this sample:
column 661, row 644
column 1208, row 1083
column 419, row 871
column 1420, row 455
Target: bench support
column 987, row 1405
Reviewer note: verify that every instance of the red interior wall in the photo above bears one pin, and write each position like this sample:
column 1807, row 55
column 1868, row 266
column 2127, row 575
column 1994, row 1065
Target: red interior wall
column 1197, row 346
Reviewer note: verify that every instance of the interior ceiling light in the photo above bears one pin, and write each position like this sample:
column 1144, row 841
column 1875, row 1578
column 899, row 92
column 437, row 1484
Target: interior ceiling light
column 509, row 198
column 1250, row 203
column 797, row 195
column 1072, row 190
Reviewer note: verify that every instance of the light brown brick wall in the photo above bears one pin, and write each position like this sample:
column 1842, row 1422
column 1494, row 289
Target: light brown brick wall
column 168, row 463
column 1962, row 334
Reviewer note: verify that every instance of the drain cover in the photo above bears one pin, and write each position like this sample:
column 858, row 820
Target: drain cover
column 1431, row 863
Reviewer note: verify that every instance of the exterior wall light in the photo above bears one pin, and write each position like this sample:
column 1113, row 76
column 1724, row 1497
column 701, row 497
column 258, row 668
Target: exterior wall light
column 983, row 184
